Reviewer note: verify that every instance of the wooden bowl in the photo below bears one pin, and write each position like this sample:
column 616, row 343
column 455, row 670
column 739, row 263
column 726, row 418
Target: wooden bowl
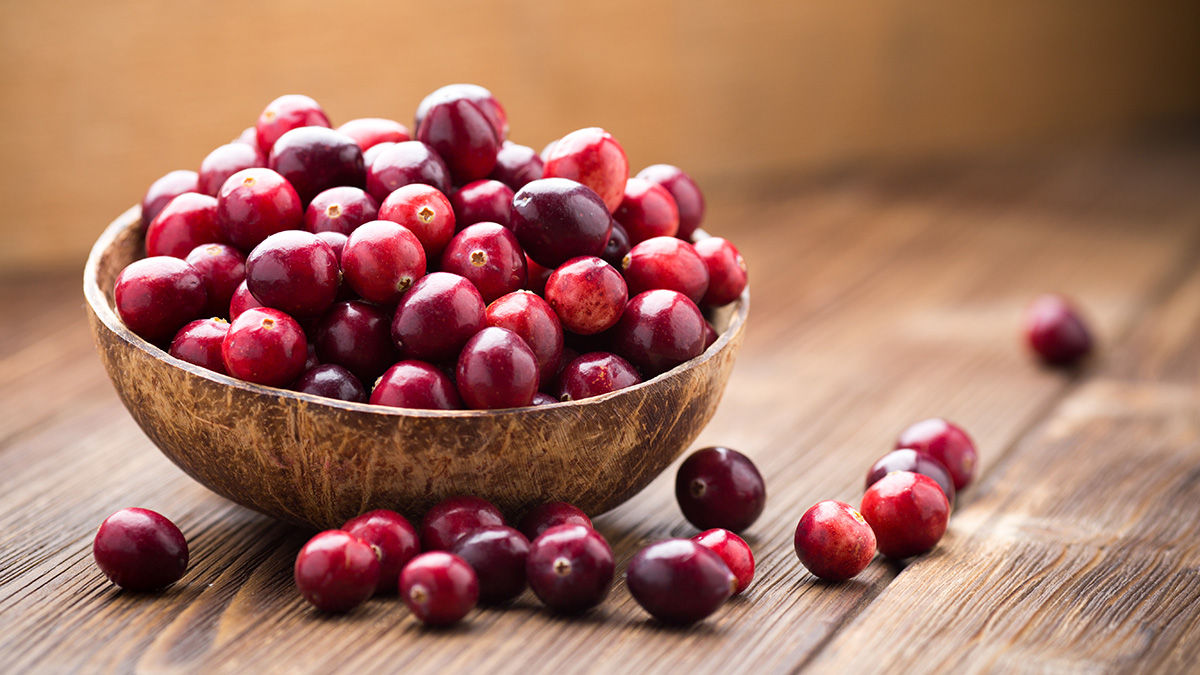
column 315, row 461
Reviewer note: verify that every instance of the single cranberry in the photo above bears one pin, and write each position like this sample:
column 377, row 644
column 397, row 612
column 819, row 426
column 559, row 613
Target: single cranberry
column 394, row 540
column 647, row 210
column 314, row 159
column 454, row 518
column 710, row 335
column 331, row 381
column 726, row 271
column 688, row 198
column 489, row 256
column 907, row 459
column 416, row 384
column 481, row 97
column 373, row 152
column 538, row 276
column 556, row 219
column 570, row 568
column 496, row 369
column 542, row 399
column 666, row 263
column 382, row 260
column 551, row 514
column 223, row 269
column 166, row 188
column 294, row 272
column 462, row 135
column 285, row 113
column 516, row 165
column 618, row 245
column 336, row 571
column 199, row 343
column 908, row 513
column 1056, row 332
column 833, row 541
column 497, row 554
column 678, row 581
column 592, row 157
column 371, row 131
column 734, row 551
column 340, row 209
column 659, row 330
column 156, row 296
column 241, row 301
column 482, row 201
column 595, row 373
column 945, row 442
column 403, row 164
column 587, row 294
column 719, row 487
column 265, row 346
column 426, row 212
column 223, row 162
column 437, row 316
column 439, row 588
column 253, row 204
column 140, row 550
column 531, row 318
column 185, row 222
column 358, row 337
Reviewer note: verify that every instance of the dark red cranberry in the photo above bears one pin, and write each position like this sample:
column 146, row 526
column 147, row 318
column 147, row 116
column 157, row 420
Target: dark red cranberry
column 265, row 346
column 372, row 153
column 679, row 581
column 833, row 541
column 647, row 210
column 426, row 212
column 710, row 335
column 358, row 337
column 285, row 113
column 538, row 276
column 719, row 487
column 185, row 222
column 688, row 198
column 337, row 243
column 617, row 246
column 1056, row 332
column 659, row 330
column 331, row 381
column 907, row 459
column 156, row 296
column 595, row 373
column 294, row 272
column 439, row 588
column 570, row 568
column 463, row 136
column 371, row 131
column 394, row 540
column 497, row 554
column 223, row 162
column 907, row 512
column 340, row 209
column 531, row 318
column 726, row 271
column 310, row 360
column 223, row 269
column 542, row 399
column 336, row 571
column 253, row 204
column 454, row 518
column 551, row 514
column 734, row 551
column 382, row 260
column 241, row 301
column 140, row 550
column 403, row 164
column 516, row 165
column 437, row 316
column 945, row 442
column 199, row 343
column 496, row 369
column 314, row 159
column 587, row 294
column 592, row 157
column 482, row 201
column 166, row 188
column 488, row 255
column 416, row 384
column 482, row 98
column 666, row 263
column 556, row 219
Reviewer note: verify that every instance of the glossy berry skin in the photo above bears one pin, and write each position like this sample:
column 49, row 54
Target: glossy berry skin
column 482, row 201
column 395, row 542
column 481, row 97
column 497, row 554
column 253, row 204
column 710, row 335
column 542, row 399
column 733, row 551
column 947, row 443
column 496, row 369
column 241, row 301
column 314, row 159
column 185, row 222
column 140, row 550
column 907, row 459
column 666, row 263
column 531, row 318
column 199, row 343
column 357, row 336
column 592, row 157
column 516, row 165
column 439, row 588
column 489, row 256
column 437, row 316
column 372, row 153
column 908, row 513
column 265, row 346
column 463, row 136
column 382, row 260
column 659, row 330
column 678, row 581
column 156, row 296
column 340, row 209
column 719, row 487
column 570, row 568
column 331, row 381
column 551, row 514
column 371, row 131
column 593, row 374
column 294, row 272
column 587, row 294
column 285, row 113
column 1056, row 332
column 616, row 248
column 454, row 518
column 336, row 571
column 337, row 243
column 833, row 541
column 403, row 164
column 726, row 271
column 223, row 269
column 647, row 210
column 418, row 385
column 426, row 212
column 689, row 200
column 556, row 219
column 166, row 188
column 223, row 162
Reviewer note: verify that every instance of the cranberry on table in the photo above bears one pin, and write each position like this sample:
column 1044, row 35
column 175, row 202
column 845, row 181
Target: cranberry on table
column 223, row 162
column 659, row 330
column 437, row 317
column 551, row 514
column 382, row 260
column 371, row 131
column 284, row 114
column 156, row 296
column 454, row 518
column 734, row 551
column 426, row 212
column 314, row 159
column 556, row 219
column 489, row 256
column 439, row 588
column 570, row 568
column 531, row 318
column 595, row 373
column 166, row 188
column 678, row 581
column 833, row 541
column 481, row 97
column 294, row 272
column 688, row 198
column 357, row 336
column 340, row 209
column 223, row 269
column 186, row 222
column 616, row 248
column 719, row 487
column 140, row 550
column 403, row 164
column 496, row 369
column 418, row 385
column 726, row 271
column 265, row 346
column 947, row 443
column 336, row 571
column 908, row 513
column 199, row 343
column 482, row 201
column 666, row 263
column 587, row 294
column 497, row 554
column 253, row 204
column 538, row 276
column 241, row 301
column 1056, row 332
column 395, row 542
column 460, row 132
column 647, row 210
column 592, row 157
column 516, row 165
column 907, row 459
column 331, row 381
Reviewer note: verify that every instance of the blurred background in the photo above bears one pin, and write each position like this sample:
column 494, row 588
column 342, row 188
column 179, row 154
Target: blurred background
column 101, row 98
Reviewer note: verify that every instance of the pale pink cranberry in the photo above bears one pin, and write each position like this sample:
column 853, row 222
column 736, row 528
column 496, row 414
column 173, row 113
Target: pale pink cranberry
column 371, row 131
column 593, row 157
column 285, row 113
column 688, row 198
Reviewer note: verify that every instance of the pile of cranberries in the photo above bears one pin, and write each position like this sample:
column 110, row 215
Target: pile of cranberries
column 444, row 268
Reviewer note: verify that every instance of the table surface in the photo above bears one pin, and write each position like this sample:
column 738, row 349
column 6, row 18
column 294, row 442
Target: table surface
column 880, row 298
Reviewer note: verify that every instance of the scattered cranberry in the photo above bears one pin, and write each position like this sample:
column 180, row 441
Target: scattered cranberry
column 1056, row 332
column 538, row 276
column 617, row 246
column 382, row 260
column 531, row 318
column 647, row 210
column 833, row 541
column 394, row 540
column 719, row 487
column 265, row 346
column 371, row 131
column 166, row 188
column 497, row 554
column 454, row 518
column 225, row 161
column 199, row 343
column 551, row 514
column 587, row 294
column 481, row 97
column 439, row 588
column 496, row 369
column 357, row 336
column 726, row 271
column 594, row 374
column 907, row 459
column 556, row 219
column 908, row 513
column 668, row 263
column 678, row 581
column 223, row 269
column 945, row 442
column 186, row 222
column 734, row 551
column 253, row 204
column 241, row 301
column 284, row 114
column 688, row 198
column 156, row 296
column 462, row 135
column 426, row 212
column 403, row 164
column 294, row 272
column 482, row 201
column 570, row 568
column 489, row 256
column 437, row 316
column 659, row 330
column 340, row 209
column 516, row 165
column 331, row 381
column 140, row 550
column 314, row 159
column 416, row 384
column 336, row 571
column 592, row 157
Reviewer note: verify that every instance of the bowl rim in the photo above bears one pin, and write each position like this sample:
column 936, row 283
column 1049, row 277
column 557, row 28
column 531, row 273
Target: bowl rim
column 98, row 302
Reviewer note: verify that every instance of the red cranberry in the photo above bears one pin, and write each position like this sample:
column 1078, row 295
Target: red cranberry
column 570, row 568
column 426, row 212
column 403, row 164
column 908, row 513
column 594, row 374
column 531, row 318
column 551, row 514
column 907, row 459
column 371, row 131
column 199, row 343
column 439, row 588
column 659, row 330
column 833, row 541
column 314, row 159
column 166, row 188
column 497, row 554
column 482, row 201
column 223, row 269
column 284, row 114
column 557, row 219
column 340, row 209
column 454, row 518
column 679, row 581
column 382, row 260
column 666, row 262
column 1056, row 332
column 416, row 384
column 225, row 161
column 336, row 571
column 372, row 153
column 726, row 271
column 734, row 551
column 294, row 272
column 394, row 540
column 185, row 222
column 496, row 369
column 710, row 335
column 358, row 337
column 437, row 316
column 488, row 255
column 542, row 399
column 156, row 296
column 587, row 294
column 140, row 550
column 331, row 381
column 253, row 204
column 482, row 98
column 516, row 165
column 688, row 198
column 241, row 301
column 463, row 136
column 647, row 210
column 945, row 442
column 336, row 241
column 592, row 157
column 719, row 487
column 538, row 276
column 617, row 246
column 265, row 346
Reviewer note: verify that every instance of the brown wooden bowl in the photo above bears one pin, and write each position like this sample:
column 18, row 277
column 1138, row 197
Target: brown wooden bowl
column 316, row 461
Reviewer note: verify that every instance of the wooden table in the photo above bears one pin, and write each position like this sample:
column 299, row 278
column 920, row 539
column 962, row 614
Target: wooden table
column 879, row 299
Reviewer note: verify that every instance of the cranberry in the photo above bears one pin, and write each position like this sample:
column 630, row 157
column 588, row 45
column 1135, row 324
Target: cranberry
column 592, row 157
column 405, row 163
column 617, row 246
column 719, row 487
column 726, row 271
column 336, row 571
column 336, row 241
column 907, row 459
column 372, row 153
column 199, row 343
column 688, row 198
column 437, row 316
column 482, row 201
column 185, row 222
column 531, row 318
column 439, row 588
column 371, row 131
column 340, row 209
column 426, row 212
column 314, row 159
column 833, row 541
column 710, row 335
column 166, row 188
column 659, row 330
column 285, row 113
column 647, row 210
column 416, row 384
column 331, row 381
column 156, row 296
column 310, row 360
column 1056, row 332
column 516, row 165
column 570, row 568
column 482, row 98
column 496, row 369
column 394, row 540
column 908, row 513
column 463, row 136
column 497, row 554
column 249, row 136
column 382, row 260
column 945, row 442
column 294, row 272
column 666, row 262
column 140, row 550
column 734, row 551
column 253, row 204
column 542, row 399
column 679, row 581
column 223, row 269
column 538, row 276
column 265, row 346
column 551, row 514
column 241, row 301
column 595, row 373
column 587, row 294
column 488, row 255
column 454, row 518
column 225, row 161
column 358, row 337
column 556, row 219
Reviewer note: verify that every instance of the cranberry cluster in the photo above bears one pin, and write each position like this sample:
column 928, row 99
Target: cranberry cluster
column 454, row 269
